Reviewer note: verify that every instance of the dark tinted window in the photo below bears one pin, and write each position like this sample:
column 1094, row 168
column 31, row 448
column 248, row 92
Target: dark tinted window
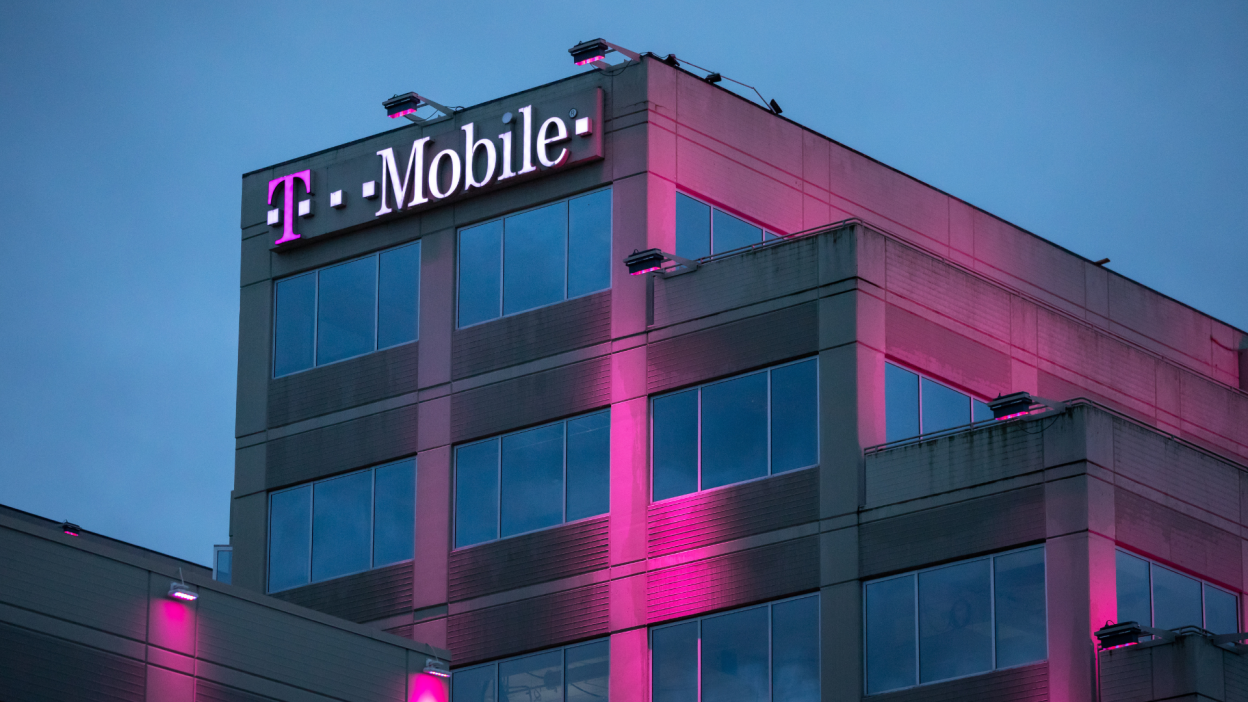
column 760, row 654
column 346, row 310
column 535, row 258
column 342, row 525
column 480, row 273
column 728, row 232
column 398, row 296
column 735, row 430
column 294, row 325
column 693, row 227
column 549, row 475
column 589, row 243
column 577, row 673
column 964, row 613
column 1154, row 595
column 915, row 405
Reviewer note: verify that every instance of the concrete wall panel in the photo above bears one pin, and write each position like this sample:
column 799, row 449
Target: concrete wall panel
column 550, row 554
column 528, row 336
column 358, row 443
column 528, row 625
column 338, row 386
column 362, row 597
column 531, row 399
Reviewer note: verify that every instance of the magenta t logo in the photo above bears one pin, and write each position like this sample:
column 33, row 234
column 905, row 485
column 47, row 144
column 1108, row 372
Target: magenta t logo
column 288, row 201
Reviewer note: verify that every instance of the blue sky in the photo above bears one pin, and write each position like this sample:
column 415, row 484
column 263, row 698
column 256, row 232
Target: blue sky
column 1116, row 129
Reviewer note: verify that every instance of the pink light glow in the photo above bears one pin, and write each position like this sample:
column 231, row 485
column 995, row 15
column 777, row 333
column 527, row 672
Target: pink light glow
column 400, row 113
column 185, row 596
column 425, row 687
column 1012, row 416
column 648, row 270
column 590, row 60
column 71, row 532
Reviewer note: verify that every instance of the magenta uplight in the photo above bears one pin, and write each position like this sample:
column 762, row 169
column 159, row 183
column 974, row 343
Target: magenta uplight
column 180, row 591
column 644, row 271
column 591, row 59
column 70, row 529
column 410, row 111
column 1013, row 416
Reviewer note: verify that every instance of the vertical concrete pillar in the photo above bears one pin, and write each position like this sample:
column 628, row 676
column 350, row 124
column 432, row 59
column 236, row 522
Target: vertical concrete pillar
column 437, row 307
column 433, row 527
column 630, row 666
column 840, row 615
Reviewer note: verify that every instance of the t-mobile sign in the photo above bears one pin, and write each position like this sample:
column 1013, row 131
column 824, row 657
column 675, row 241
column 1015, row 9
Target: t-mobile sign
column 441, row 162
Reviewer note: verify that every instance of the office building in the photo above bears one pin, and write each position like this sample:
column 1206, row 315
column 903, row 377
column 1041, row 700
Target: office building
column 762, row 468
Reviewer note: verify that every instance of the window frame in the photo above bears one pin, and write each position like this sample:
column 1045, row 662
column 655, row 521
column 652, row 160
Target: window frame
column 770, row 474
column 921, row 377
column 771, row 647
column 1152, row 598
column 563, row 652
column 992, row 599
column 217, row 550
column 372, row 524
column 750, row 221
column 316, row 309
column 498, row 497
column 502, row 257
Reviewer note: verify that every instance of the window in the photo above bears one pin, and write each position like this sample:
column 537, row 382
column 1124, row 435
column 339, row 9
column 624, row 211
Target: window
column 533, row 479
column 342, row 525
column 1154, row 595
column 222, row 563
column 535, row 258
column 737, row 429
column 570, row 674
column 916, row 405
column 702, row 230
column 757, row 654
column 346, row 310
column 955, row 620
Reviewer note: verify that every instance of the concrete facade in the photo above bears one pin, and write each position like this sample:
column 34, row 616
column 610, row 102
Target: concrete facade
column 1150, row 457
column 89, row 618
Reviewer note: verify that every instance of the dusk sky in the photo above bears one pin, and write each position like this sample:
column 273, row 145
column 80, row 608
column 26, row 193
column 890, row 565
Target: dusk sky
column 1115, row 129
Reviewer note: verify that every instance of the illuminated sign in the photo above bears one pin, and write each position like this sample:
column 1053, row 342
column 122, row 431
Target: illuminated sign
column 443, row 161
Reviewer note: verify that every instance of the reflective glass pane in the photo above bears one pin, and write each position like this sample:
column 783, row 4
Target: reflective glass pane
column 225, row 566
column 1135, row 604
column 589, row 243
column 474, row 684
column 794, row 416
column 346, row 313
column 795, row 651
column 394, row 516
column 955, row 621
column 1176, row 600
column 674, row 663
column 693, row 227
column 532, row 480
column 398, row 296
column 730, row 233
column 589, row 466
column 675, row 444
column 535, row 254
column 532, row 678
column 943, row 408
column 734, row 430
column 587, row 669
column 980, row 411
column 890, row 635
column 290, row 538
column 1221, row 611
column 476, row 493
column 294, row 324
column 901, row 402
column 1022, row 625
column 734, row 656
column 342, row 512
column 480, row 273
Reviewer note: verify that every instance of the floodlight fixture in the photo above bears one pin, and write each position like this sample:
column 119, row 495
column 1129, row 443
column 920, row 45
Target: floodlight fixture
column 437, row 668
column 407, row 104
column 1128, row 634
column 70, row 528
column 713, row 78
column 594, row 52
column 652, row 260
column 775, row 106
column 1020, row 404
column 180, row 591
